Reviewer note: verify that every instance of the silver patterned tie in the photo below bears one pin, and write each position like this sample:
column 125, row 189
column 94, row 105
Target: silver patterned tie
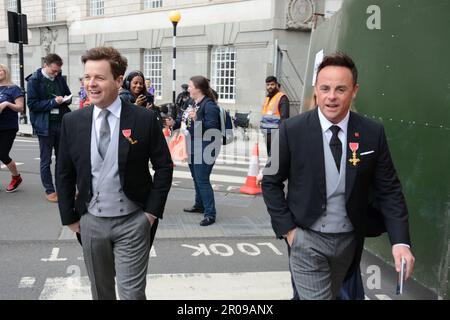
column 105, row 134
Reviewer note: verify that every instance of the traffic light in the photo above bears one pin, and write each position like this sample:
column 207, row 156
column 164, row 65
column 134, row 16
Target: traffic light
column 17, row 21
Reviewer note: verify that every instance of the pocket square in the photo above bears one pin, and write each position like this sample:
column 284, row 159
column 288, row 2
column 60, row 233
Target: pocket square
column 366, row 153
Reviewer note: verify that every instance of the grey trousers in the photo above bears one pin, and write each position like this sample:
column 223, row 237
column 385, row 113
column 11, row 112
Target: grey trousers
column 320, row 261
column 116, row 247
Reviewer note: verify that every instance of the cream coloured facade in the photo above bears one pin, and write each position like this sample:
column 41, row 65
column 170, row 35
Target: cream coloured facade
column 236, row 44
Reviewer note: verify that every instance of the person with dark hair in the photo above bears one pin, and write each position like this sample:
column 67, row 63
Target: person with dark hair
column 182, row 97
column 202, row 115
column 275, row 110
column 49, row 99
column 134, row 91
column 334, row 160
column 105, row 152
column 11, row 102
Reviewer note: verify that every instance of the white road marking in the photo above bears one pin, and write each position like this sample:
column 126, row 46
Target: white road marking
column 152, row 252
column 54, row 256
column 29, row 141
column 213, row 177
column 190, row 286
column 216, row 167
column 27, row 282
column 17, row 164
column 382, row 297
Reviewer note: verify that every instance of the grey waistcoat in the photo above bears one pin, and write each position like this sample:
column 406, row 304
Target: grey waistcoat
column 334, row 219
column 108, row 199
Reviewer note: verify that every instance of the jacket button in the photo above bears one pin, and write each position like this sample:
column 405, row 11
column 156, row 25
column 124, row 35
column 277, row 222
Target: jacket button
column 121, row 200
column 99, row 210
column 121, row 210
column 323, row 226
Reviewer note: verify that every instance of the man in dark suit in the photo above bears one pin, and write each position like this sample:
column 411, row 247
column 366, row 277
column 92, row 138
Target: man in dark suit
column 332, row 158
column 104, row 152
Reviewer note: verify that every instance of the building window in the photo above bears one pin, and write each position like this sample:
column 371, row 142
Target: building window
column 50, row 10
column 12, row 5
column 153, row 70
column 15, row 70
column 149, row 4
column 97, row 8
column 223, row 73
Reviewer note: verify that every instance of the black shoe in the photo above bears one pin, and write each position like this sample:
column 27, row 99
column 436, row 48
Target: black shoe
column 194, row 209
column 207, row 221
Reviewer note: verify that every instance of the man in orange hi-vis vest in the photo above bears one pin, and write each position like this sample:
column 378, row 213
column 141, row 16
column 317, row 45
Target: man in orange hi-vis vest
column 275, row 110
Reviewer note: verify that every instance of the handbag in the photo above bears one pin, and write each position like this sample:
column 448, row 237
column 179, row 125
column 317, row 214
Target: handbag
column 178, row 147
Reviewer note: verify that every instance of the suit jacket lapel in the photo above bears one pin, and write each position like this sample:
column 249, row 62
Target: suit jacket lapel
column 316, row 151
column 126, row 122
column 350, row 169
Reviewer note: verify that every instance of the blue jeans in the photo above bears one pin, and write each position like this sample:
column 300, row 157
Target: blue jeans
column 204, row 194
column 46, row 146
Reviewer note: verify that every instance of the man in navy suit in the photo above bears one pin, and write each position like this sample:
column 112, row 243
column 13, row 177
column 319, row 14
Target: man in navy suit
column 333, row 160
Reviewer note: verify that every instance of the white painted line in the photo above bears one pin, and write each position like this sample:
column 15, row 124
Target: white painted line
column 152, row 252
column 17, row 164
column 27, row 282
column 239, row 162
column 382, row 297
column 366, row 297
column 232, row 156
column 54, row 256
column 187, row 286
column 213, row 177
column 216, row 167
column 29, row 141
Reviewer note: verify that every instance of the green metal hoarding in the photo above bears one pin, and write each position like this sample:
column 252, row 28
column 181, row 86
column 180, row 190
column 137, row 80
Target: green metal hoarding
column 402, row 51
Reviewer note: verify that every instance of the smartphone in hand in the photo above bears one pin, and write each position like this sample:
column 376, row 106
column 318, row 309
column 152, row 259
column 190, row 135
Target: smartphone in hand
column 401, row 276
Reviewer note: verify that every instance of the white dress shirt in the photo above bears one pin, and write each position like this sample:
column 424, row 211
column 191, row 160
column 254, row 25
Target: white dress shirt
column 326, row 125
column 114, row 118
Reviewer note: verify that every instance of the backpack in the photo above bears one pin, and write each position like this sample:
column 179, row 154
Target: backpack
column 226, row 126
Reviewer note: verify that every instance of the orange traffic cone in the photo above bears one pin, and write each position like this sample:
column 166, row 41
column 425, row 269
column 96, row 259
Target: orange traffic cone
column 251, row 186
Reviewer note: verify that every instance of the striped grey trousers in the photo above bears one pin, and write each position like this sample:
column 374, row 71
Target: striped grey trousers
column 116, row 249
column 320, row 261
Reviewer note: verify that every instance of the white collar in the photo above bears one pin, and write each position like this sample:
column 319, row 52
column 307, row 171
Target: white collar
column 115, row 108
column 326, row 124
column 46, row 75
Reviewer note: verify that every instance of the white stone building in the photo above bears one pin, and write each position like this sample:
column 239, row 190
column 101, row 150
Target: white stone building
column 235, row 43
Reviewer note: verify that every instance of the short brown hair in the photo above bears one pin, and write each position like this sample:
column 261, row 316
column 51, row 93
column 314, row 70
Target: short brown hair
column 117, row 62
column 339, row 59
column 53, row 58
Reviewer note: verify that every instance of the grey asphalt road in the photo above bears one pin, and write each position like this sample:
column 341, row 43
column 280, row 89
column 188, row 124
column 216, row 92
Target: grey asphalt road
column 38, row 256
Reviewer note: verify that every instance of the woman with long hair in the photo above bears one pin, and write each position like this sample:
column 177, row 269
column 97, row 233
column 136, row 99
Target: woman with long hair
column 134, row 90
column 11, row 102
column 200, row 116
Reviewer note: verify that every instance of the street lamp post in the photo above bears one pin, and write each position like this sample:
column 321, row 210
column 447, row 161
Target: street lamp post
column 175, row 17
